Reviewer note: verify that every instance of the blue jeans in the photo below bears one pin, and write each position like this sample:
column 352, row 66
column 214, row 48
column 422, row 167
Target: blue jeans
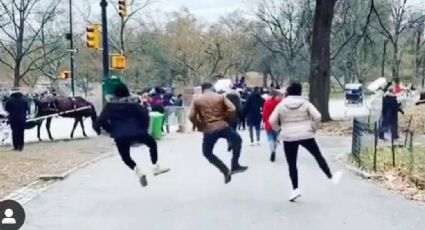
column 272, row 139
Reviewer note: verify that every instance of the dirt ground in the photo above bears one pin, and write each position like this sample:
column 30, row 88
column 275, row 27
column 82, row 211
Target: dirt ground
column 336, row 128
column 18, row 169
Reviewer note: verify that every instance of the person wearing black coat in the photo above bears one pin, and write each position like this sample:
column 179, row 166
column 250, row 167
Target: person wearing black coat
column 17, row 107
column 128, row 123
column 235, row 98
column 242, row 116
column 389, row 119
column 253, row 112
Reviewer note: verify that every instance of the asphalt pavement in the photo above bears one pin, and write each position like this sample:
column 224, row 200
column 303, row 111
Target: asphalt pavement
column 193, row 196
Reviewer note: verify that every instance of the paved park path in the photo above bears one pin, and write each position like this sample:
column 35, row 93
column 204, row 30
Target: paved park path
column 106, row 196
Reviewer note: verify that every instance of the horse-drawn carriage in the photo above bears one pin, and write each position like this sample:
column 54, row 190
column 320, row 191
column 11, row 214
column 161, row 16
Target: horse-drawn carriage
column 354, row 94
column 45, row 109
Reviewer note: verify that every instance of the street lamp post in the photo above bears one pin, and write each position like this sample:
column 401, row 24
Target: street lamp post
column 72, row 51
column 103, row 5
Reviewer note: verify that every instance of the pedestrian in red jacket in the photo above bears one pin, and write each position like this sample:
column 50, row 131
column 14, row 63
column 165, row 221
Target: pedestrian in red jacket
column 268, row 109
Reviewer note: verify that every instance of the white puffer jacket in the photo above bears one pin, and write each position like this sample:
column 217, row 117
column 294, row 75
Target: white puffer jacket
column 296, row 118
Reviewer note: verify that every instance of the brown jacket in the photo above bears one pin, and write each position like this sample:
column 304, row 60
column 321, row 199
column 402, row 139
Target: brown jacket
column 211, row 112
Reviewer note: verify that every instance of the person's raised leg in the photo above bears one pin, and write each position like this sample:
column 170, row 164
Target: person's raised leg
column 149, row 141
column 236, row 141
column 291, row 153
column 123, row 146
column 209, row 141
column 313, row 148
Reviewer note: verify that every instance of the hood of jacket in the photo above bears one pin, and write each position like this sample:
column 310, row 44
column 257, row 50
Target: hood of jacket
column 123, row 104
column 294, row 102
column 125, row 100
column 16, row 95
column 390, row 94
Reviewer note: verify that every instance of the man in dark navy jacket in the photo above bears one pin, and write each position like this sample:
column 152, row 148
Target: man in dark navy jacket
column 128, row 124
column 17, row 107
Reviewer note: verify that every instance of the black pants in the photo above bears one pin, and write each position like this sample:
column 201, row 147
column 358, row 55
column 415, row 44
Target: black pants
column 291, row 152
column 234, row 126
column 257, row 127
column 210, row 139
column 124, row 145
column 18, row 132
column 242, row 123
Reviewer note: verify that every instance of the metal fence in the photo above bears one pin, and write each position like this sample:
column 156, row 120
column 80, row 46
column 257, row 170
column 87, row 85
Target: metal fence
column 371, row 153
column 175, row 116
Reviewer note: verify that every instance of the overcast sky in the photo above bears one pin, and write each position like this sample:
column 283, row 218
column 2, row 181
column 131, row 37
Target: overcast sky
column 209, row 10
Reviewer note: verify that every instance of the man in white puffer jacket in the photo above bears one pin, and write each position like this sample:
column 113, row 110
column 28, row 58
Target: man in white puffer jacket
column 298, row 120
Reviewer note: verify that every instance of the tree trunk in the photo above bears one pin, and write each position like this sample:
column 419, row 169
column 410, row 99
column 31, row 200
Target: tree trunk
column 265, row 80
column 17, row 74
column 320, row 57
column 396, row 64
column 384, row 58
column 291, row 69
column 418, row 57
column 423, row 76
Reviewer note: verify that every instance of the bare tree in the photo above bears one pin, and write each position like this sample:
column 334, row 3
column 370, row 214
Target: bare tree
column 399, row 22
column 53, row 52
column 418, row 26
column 26, row 24
column 135, row 7
column 239, row 49
column 287, row 29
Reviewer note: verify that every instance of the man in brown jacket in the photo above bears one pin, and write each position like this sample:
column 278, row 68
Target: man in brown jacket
column 211, row 114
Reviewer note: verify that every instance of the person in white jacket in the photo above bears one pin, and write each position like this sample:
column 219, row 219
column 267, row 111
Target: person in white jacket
column 297, row 120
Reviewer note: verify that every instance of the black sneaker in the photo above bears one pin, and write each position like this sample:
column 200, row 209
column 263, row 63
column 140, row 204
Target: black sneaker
column 239, row 169
column 143, row 181
column 227, row 177
column 273, row 157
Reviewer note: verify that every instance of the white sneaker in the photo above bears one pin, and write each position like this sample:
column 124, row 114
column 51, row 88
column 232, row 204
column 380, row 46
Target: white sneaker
column 157, row 170
column 336, row 178
column 142, row 177
column 252, row 144
column 295, row 194
column 258, row 143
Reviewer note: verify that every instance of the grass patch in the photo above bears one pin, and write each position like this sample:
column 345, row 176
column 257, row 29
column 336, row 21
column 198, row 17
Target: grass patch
column 408, row 164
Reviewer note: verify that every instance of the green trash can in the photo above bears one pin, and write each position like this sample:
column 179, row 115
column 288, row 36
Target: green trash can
column 156, row 120
column 108, row 86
